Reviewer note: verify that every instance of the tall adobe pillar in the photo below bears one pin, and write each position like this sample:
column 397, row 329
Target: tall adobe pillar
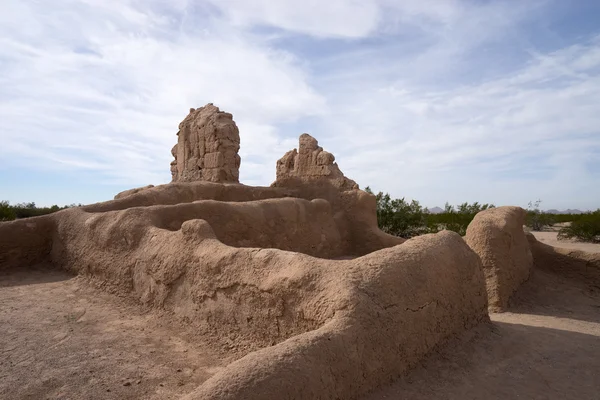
column 207, row 147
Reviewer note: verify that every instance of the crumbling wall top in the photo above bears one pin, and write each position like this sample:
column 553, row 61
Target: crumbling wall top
column 310, row 163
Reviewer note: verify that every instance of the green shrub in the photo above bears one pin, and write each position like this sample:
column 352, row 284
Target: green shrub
column 585, row 228
column 455, row 219
column 6, row 211
column 561, row 218
column 399, row 217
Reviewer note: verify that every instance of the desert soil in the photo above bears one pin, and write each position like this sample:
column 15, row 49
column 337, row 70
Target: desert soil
column 550, row 238
column 61, row 338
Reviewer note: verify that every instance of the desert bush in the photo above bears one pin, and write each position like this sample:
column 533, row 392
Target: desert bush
column 6, row 211
column 457, row 218
column 561, row 218
column 9, row 212
column 537, row 219
column 585, row 228
column 399, row 217
column 27, row 210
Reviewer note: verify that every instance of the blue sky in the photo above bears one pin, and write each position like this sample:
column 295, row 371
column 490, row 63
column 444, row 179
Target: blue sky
column 439, row 100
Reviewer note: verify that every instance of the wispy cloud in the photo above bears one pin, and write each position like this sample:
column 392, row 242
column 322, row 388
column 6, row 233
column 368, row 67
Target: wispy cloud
column 116, row 85
column 533, row 132
column 335, row 18
column 447, row 100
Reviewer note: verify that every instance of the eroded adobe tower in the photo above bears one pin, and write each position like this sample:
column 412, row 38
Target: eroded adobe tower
column 207, row 147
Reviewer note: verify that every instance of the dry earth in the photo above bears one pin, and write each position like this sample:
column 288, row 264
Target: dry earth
column 61, row 338
column 546, row 347
column 550, row 238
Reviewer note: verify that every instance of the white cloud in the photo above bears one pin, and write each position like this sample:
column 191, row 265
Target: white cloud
column 333, row 18
column 118, row 87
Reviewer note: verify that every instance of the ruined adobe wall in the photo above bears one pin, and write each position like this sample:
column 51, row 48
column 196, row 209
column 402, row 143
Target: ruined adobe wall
column 309, row 164
column 28, row 241
column 252, row 296
column 288, row 223
column 353, row 210
column 216, row 255
column 321, row 328
column 129, row 192
column 187, row 192
column 390, row 309
column 310, row 172
column 497, row 236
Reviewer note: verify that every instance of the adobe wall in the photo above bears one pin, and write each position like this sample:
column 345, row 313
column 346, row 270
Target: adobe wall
column 497, row 236
column 288, row 224
column 353, row 210
column 388, row 310
column 129, row 192
column 320, row 328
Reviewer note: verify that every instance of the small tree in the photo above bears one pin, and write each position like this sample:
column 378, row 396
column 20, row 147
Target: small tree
column 537, row 220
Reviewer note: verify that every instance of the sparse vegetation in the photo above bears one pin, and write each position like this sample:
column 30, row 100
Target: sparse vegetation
column 10, row 212
column 408, row 219
column 455, row 218
column 585, row 228
column 399, row 217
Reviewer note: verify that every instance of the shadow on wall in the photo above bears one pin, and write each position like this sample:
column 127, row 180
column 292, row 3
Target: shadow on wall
column 554, row 295
column 573, row 264
column 33, row 275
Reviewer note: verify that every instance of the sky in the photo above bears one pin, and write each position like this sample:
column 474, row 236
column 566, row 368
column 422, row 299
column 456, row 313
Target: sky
column 438, row 100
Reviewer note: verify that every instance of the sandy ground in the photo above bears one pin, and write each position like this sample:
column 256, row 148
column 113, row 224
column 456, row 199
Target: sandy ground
column 549, row 238
column 60, row 338
column 547, row 347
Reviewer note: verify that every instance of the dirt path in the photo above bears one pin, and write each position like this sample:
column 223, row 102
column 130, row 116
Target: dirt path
column 547, row 347
column 62, row 339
